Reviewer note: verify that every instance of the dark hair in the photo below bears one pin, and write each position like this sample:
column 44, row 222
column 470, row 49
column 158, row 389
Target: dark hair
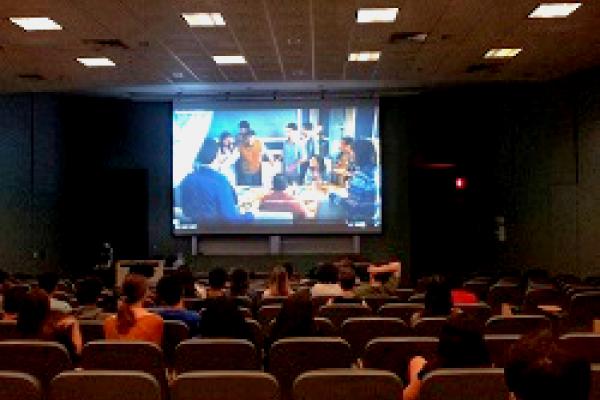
column 289, row 269
column 292, row 125
column 327, row 273
column 279, row 182
column 224, row 135
column 347, row 278
column 239, row 282
column 3, row 276
column 223, row 318
column 307, row 125
column 217, row 277
column 278, row 282
column 207, row 152
column 169, row 290
column 538, row 368
column 88, row 291
column 438, row 298
column 364, row 153
column 33, row 313
column 133, row 290
column 244, row 124
column 295, row 318
column 348, row 141
column 48, row 281
column 186, row 277
column 13, row 297
column 461, row 343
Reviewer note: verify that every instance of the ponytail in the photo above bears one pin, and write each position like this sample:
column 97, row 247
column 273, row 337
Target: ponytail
column 125, row 318
column 133, row 290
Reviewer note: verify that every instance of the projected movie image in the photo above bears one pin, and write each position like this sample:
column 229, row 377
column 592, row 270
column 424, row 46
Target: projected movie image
column 276, row 171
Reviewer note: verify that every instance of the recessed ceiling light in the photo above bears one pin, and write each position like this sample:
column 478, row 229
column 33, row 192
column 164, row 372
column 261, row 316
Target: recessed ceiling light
column 364, row 56
column 502, row 53
column 372, row 15
column 177, row 75
column 204, row 19
column 96, row 61
column 554, row 10
column 36, row 24
column 224, row 60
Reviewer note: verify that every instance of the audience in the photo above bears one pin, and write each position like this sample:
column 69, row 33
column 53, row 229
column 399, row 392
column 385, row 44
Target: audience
column 48, row 282
column 223, row 319
column 217, row 278
column 13, row 297
column 347, row 282
column 36, row 320
column 169, row 291
column 240, row 284
column 539, row 369
column 327, row 282
column 461, row 345
column 279, row 284
column 383, row 280
column 296, row 318
column 87, row 294
column 133, row 321
column 438, row 300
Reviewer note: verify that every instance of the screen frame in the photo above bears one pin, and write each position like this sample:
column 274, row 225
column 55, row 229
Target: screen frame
column 245, row 230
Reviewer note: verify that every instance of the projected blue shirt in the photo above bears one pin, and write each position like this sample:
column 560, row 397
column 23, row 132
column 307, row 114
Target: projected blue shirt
column 207, row 196
column 292, row 154
column 360, row 203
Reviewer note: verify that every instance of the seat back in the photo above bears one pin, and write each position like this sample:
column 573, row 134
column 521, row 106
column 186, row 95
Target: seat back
column 288, row 358
column 404, row 294
column 429, row 326
column 338, row 313
column 193, row 304
column 584, row 345
column 360, row 331
column 256, row 333
column 376, row 302
column 215, row 354
column 91, row 330
column 393, row 354
column 43, row 360
column 584, row 308
column 325, row 327
column 8, row 330
column 504, row 293
column 464, row 384
column 268, row 313
column 481, row 312
column 225, row 385
column 595, row 389
column 125, row 356
column 17, row 385
column 175, row 332
column 344, row 384
column 498, row 346
column 243, row 301
column 542, row 296
column 516, row 324
column 478, row 287
column 404, row 311
column 272, row 300
column 104, row 385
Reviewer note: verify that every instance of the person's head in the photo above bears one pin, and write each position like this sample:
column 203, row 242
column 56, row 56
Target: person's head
column 48, row 282
column 461, row 343
column 248, row 137
column 290, row 131
column 169, row 290
column 239, row 282
column 381, row 278
column 223, row 318
column 13, row 298
column 307, row 128
column 327, row 273
column 279, row 183
column 88, row 291
column 186, row 277
column 133, row 293
column 278, row 282
column 438, row 298
column 217, row 278
column 347, row 278
column 347, row 144
column 226, row 140
column 207, row 153
column 295, row 318
column 364, row 154
column 33, row 312
column 538, row 368
column 244, row 127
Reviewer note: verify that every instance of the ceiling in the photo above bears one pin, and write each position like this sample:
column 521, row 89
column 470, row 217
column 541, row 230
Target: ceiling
column 289, row 44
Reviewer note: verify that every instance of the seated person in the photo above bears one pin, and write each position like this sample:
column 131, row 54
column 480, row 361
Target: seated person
column 347, row 281
column 222, row 318
column 169, row 291
column 217, row 279
column 36, row 320
column 133, row 321
column 327, row 282
column 383, row 280
column 87, row 294
column 48, row 282
column 461, row 345
column 279, row 284
column 538, row 368
column 13, row 297
column 280, row 201
column 438, row 300
column 296, row 319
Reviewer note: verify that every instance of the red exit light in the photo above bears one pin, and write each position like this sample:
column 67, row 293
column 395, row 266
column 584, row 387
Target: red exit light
column 461, row 183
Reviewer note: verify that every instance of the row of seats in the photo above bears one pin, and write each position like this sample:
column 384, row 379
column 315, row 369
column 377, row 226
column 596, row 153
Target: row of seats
column 334, row 384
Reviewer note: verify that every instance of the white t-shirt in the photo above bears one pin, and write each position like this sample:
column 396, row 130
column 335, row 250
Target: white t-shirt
column 326, row 289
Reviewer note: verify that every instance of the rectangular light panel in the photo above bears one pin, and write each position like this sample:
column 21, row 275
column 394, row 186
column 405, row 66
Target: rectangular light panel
column 36, row 23
column 364, row 56
column 203, row 19
column 229, row 60
column 502, row 53
column 554, row 10
column 96, row 62
column 376, row 15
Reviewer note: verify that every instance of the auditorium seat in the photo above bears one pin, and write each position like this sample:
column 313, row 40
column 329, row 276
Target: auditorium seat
column 175, row 332
column 393, row 354
column 583, row 309
column 246, row 312
column 542, row 295
column 464, row 384
column 104, row 385
column 216, row 354
column 429, row 326
column 43, row 360
column 91, row 330
column 8, row 330
column 325, row 327
column 267, row 313
column 338, row 313
column 504, row 293
column 19, row 386
column 481, row 312
column 345, row 384
column 243, row 302
column 404, row 294
column 376, row 302
column 595, row 389
column 193, row 304
column 360, row 331
column 272, row 300
column 257, row 337
column 479, row 287
column 584, row 344
column 516, row 324
column 125, row 356
column 288, row 358
column 225, row 385
column 404, row 311
column 498, row 346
